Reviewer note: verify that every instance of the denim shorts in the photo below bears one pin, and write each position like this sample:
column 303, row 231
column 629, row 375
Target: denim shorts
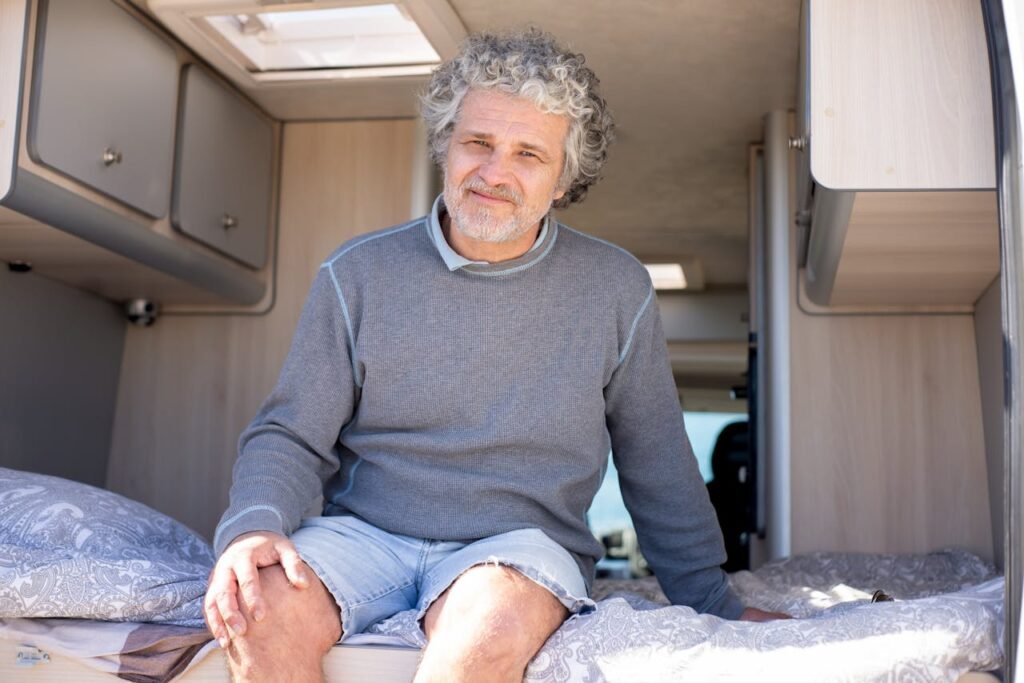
column 374, row 574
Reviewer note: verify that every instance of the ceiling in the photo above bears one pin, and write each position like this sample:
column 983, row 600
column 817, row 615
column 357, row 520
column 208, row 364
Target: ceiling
column 688, row 82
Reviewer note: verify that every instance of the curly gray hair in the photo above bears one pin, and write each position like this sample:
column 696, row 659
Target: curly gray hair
column 529, row 64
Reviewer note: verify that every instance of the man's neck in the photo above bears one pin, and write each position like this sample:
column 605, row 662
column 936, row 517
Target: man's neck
column 491, row 252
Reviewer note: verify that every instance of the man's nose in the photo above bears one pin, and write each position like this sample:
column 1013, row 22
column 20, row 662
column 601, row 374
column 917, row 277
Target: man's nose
column 496, row 170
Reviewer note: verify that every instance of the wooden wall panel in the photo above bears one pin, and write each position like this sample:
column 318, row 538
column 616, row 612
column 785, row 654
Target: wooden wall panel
column 190, row 384
column 888, row 450
column 918, row 248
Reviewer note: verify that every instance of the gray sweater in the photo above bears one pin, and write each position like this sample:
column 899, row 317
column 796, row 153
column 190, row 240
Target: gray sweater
column 452, row 400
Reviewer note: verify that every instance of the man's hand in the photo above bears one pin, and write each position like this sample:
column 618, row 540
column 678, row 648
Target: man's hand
column 236, row 572
column 754, row 614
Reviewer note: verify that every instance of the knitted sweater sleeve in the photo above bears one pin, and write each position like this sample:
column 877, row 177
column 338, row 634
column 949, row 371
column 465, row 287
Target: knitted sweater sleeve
column 290, row 448
column 659, row 477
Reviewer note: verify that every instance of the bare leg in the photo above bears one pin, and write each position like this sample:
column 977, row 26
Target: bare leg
column 487, row 627
column 289, row 644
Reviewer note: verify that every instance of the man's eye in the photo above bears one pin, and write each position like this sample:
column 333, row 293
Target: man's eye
column 529, row 154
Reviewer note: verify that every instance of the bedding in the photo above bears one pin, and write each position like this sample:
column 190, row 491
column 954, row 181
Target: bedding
column 138, row 652
column 71, row 554
column 946, row 621
column 72, row 550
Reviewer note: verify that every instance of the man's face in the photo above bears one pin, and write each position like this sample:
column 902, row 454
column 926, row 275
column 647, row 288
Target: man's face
column 503, row 165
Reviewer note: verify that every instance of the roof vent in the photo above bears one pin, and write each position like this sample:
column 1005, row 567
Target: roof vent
column 254, row 42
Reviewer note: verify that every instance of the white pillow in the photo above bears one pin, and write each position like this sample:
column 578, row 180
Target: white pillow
column 72, row 550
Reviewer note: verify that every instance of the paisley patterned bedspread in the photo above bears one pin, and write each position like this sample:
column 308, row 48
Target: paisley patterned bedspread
column 69, row 552
column 945, row 620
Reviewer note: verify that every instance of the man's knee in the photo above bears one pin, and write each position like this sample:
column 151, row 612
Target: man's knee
column 509, row 613
column 296, row 618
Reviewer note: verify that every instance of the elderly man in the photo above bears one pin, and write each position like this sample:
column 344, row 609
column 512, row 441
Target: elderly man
column 453, row 390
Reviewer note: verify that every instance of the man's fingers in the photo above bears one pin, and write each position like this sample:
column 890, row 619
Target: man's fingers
column 249, row 586
column 227, row 603
column 221, row 584
column 294, row 567
column 235, row 581
column 213, row 619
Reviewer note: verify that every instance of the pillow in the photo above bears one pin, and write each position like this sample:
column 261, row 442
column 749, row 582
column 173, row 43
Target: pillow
column 72, row 550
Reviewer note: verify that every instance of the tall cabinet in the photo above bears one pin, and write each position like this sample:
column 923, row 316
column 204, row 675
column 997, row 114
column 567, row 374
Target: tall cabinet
column 874, row 428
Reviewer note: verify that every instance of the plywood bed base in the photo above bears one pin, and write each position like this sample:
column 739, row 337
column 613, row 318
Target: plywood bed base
column 344, row 664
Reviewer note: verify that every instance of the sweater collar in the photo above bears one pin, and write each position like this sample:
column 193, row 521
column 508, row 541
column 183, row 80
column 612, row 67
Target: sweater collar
column 454, row 261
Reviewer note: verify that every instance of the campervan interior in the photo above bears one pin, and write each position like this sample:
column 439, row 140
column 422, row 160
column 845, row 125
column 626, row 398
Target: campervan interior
column 824, row 174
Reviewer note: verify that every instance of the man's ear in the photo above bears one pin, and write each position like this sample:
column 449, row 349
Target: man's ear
column 558, row 195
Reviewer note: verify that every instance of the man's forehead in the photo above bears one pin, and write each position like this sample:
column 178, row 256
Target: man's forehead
column 497, row 112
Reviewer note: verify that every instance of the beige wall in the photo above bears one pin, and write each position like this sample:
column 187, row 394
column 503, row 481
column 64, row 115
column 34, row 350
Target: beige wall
column 60, row 350
column 190, row 384
column 888, row 453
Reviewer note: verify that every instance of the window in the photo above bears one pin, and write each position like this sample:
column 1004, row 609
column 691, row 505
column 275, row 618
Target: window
column 608, row 516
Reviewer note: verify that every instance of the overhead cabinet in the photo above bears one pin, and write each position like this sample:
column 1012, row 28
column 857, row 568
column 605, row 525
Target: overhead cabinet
column 222, row 181
column 133, row 171
column 104, row 91
column 897, row 162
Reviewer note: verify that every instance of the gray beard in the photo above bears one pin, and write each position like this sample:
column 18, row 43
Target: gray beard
column 484, row 227
column 479, row 224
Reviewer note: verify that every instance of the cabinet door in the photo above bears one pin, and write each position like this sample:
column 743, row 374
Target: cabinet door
column 900, row 95
column 104, row 100
column 223, row 176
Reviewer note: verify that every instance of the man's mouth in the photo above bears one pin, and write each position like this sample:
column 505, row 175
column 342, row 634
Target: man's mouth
column 488, row 199
column 491, row 196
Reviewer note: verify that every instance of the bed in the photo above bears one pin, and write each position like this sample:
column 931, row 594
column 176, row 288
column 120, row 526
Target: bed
column 97, row 587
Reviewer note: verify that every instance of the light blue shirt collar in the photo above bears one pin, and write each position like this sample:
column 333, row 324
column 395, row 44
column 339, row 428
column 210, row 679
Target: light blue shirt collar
column 453, row 259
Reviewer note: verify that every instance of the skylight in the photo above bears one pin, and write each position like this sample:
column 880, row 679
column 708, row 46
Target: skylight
column 667, row 275
column 337, row 38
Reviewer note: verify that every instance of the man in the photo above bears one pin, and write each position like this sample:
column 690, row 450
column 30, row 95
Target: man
column 453, row 389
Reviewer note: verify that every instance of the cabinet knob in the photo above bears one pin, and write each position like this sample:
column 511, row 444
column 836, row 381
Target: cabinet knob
column 228, row 221
column 111, row 156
